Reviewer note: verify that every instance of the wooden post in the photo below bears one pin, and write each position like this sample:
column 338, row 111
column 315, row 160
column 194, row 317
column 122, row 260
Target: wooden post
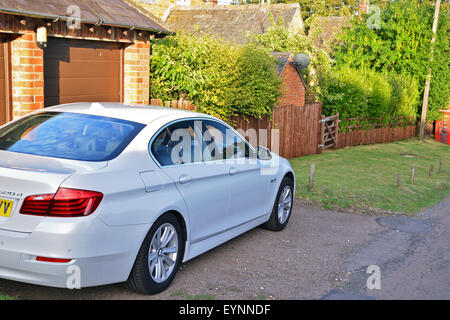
column 441, row 163
column 413, row 172
column 431, row 170
column 322, row 134
column 399, row 181
column 180, row 104
column 337, row 131
column 311, row 176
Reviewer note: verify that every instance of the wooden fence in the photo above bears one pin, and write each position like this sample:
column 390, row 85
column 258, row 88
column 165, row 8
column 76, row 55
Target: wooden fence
column 296, row 131
column 376, row 132
column 177, row 104
column 299, row 129
column 293, row 131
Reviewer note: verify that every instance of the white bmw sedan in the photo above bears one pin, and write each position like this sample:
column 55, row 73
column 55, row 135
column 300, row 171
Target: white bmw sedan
column 93, row 194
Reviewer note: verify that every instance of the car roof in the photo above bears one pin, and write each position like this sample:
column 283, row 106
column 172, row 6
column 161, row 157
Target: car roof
column 144, row 114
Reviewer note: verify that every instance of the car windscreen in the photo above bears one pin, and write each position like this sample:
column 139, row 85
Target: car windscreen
column 69, row 136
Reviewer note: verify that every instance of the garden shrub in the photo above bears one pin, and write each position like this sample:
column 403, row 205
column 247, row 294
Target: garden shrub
column 257, row 87
column 404, row 95
column 344, row 91
column 378, row 95
column 220, row 78
column 368, row 94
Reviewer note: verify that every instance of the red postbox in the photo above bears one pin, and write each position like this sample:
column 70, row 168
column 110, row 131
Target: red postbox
column 442, row 126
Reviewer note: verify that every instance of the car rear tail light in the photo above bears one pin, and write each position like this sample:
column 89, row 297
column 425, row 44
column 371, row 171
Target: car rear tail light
column 54, row 260
column 65, row 203
column 37, row 205
column 75, row 203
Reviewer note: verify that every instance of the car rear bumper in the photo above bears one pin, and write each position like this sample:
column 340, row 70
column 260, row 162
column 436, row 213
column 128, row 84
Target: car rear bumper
column 99, row 254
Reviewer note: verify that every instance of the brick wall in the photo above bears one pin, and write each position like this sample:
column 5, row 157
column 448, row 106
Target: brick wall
column 293, row 87
column 137, row 73
column 27, row 63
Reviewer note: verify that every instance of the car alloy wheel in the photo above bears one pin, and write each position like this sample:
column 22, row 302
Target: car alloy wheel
column 282, row 207
column 163, row 253
column 160, row 256
column 284, row 204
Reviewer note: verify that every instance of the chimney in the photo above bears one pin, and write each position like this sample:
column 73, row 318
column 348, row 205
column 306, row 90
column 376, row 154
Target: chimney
column 363, row 7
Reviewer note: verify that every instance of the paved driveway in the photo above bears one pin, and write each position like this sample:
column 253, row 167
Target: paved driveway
column 321, row 254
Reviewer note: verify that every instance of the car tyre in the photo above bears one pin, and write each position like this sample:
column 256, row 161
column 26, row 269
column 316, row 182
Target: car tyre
column 145, row 277
column 282, row 208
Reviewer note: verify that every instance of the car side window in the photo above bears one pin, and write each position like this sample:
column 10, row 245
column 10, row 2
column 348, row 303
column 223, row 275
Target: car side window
column 176, row 144
column 194, row 141
column 222, row 143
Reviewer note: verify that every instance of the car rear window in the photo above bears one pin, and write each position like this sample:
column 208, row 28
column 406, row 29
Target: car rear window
column 69, row 136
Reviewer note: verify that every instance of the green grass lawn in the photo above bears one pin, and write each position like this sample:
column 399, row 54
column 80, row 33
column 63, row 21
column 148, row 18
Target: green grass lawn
column 3, row 297
column 364, row 178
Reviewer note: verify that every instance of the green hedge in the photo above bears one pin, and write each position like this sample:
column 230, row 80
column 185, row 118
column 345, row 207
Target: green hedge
column 368, row 94
column 221, row 79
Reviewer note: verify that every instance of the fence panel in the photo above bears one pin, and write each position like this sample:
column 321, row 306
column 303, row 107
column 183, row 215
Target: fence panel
column 375, row 135
column 297, row 129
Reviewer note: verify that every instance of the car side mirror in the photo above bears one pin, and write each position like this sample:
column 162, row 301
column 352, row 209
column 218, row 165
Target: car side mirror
column 263, row 153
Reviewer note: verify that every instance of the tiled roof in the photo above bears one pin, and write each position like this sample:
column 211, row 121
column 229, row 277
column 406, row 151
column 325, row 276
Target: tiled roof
column 234, row 23
column 110, row 12
column 282, row 59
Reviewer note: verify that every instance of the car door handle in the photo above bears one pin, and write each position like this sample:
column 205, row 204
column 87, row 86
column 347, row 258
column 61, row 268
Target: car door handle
column 184, row 179
column 233, row 171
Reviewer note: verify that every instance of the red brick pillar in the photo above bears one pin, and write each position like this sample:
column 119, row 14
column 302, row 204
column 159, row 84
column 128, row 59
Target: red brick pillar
column 27, row 75
column 137, row 73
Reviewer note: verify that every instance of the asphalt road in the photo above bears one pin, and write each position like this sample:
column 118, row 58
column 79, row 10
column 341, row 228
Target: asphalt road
column 322, row 254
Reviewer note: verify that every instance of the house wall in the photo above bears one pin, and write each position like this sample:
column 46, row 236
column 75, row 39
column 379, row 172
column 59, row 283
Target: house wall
column 293, row 87
column 27, row 59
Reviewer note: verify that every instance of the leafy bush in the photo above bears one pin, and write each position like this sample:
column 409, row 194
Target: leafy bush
column 344, row 91
column 404, row 95
column 368, row 94
column 221, row 79
column 379, row 94
column 257, row 87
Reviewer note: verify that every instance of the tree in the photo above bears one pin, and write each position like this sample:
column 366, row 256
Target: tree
column 401, row 46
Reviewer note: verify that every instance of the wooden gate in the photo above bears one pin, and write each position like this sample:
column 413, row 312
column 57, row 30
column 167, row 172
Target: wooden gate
column 329, row 127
